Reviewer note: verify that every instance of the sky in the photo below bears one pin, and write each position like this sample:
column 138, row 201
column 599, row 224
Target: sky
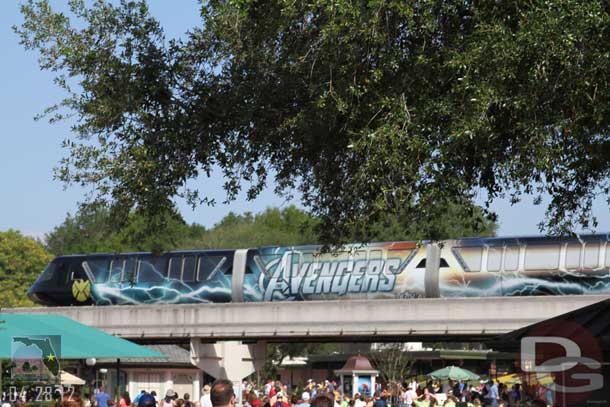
column 34, row 203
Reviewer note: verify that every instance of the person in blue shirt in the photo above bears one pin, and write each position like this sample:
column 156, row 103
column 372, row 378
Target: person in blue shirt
column 147, row 400
column 137, row 398
column 493, row 394
column 380, row 400
column 461, row 386
column 549, row 394
column 101, row 398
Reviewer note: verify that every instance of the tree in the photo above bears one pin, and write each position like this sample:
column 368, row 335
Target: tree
column 93, row 229
column 449, row 222
column 394, row 363
column 22, row 259
column 368, row 108
column 272, row 227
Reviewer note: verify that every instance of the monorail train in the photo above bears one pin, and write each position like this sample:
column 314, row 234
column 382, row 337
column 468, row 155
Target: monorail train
column 471, row 267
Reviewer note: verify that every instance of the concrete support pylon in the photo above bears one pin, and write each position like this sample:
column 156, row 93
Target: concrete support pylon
column 231, row 360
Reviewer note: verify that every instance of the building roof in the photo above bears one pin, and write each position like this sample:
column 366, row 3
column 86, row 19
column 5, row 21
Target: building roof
column 75, row 340
column 359, row 364
column 176, row 355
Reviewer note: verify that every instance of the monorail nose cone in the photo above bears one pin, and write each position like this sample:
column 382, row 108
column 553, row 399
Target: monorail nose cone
column 34, row 297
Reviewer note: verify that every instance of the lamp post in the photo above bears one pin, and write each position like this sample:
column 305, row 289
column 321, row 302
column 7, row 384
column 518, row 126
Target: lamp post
column 103, row 372
column 90, row 362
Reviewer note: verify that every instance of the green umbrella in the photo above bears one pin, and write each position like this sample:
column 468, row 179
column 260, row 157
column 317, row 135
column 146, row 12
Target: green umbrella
column 453, row 373
column 77, row 341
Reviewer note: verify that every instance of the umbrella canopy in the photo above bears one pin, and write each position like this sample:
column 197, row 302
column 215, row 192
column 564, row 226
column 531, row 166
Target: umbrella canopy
column 453, row 373
column 78, row 341
column 69, row 378
column 512, row 378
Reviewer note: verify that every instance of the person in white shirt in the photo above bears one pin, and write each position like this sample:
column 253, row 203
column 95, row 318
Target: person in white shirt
column 410, row 396
column 358, row 402
column 268, row 386
column 205, row 400
column 413, row 385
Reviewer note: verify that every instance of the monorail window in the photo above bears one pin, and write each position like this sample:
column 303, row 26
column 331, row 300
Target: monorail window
column 49, row 272
column 494, row 259
column 228, row 271
column 152, row 270
column 511, row 258
column 542, row 257
column 213, row 266
column 591, row 256
column 116, row 270
column 573, row 256
column 77, row 272
column 189, row 269
column 472, row 257
column 62, row 272
column 175, row 268
column 99, row 269
column 129, row 270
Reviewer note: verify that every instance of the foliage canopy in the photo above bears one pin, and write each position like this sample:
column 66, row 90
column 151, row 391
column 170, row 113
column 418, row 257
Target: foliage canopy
column 22, row 259
column 367, row 108
column 93, row 229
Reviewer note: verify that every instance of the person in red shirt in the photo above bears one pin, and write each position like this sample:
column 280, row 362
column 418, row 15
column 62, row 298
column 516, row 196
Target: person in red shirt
column 125, row 400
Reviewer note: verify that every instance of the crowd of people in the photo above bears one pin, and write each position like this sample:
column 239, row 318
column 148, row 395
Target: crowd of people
column 328, row 394
column 409, row 394
column 457, row 392
column 454, row 392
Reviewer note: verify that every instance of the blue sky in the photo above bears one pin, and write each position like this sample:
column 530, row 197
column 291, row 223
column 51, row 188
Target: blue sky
column 33, row 202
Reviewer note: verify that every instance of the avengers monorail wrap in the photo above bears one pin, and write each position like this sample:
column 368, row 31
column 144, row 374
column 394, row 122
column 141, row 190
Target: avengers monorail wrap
column 473, row 267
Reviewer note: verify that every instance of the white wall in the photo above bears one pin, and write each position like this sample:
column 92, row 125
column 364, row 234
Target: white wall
column 162, row 379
